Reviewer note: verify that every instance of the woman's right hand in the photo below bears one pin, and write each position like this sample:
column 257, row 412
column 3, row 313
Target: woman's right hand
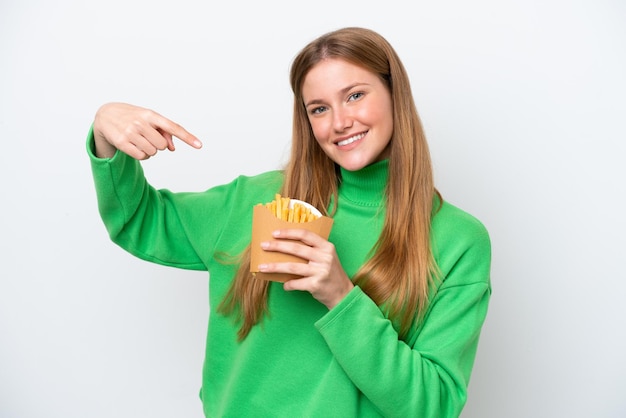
column 136, row 131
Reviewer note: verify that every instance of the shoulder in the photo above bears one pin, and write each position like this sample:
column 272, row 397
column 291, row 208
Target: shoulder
column 243, row 190
column 247, row 190
column 267, row 181
column 459, row 240
column 450, row 219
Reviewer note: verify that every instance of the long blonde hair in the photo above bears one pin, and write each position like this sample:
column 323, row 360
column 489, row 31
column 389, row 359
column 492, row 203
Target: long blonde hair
column 399, row 273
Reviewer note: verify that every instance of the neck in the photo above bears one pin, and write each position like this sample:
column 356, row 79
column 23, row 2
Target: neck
column 367, row 185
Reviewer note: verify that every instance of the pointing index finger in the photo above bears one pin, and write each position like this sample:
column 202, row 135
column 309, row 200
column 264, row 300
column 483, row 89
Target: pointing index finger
column 174, row 129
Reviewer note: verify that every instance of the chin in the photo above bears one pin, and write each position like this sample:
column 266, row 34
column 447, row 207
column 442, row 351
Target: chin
column 354, row 165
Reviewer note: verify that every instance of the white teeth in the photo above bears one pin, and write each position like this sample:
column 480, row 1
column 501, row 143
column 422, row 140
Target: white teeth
column 350, row 140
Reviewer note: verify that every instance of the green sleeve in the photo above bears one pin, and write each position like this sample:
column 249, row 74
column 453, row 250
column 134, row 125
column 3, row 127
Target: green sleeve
column 428, row 376
column 152, row 224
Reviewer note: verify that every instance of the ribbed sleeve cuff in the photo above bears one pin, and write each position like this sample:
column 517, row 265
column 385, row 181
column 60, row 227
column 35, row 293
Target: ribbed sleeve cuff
column 91, row 149
column 350, row 311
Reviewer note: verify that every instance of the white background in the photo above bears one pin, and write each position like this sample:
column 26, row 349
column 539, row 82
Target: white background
column 523, row 104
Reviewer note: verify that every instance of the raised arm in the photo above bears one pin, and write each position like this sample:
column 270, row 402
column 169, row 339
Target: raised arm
column 143, row 220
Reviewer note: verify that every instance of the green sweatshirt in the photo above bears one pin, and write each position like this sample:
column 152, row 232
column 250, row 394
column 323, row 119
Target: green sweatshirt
column 304, row 360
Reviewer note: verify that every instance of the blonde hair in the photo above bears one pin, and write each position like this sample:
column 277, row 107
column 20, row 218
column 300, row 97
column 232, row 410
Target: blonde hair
column 399, row 273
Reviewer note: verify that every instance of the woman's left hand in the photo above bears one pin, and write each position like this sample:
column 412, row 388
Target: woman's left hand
column 322, row 276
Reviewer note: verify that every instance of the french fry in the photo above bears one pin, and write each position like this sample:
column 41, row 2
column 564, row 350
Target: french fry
column 282, row 208
column 285, row 212
column 296, row 212
column 279, row 206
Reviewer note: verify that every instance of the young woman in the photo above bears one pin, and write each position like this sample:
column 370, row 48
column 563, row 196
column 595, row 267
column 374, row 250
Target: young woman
column 385, row 317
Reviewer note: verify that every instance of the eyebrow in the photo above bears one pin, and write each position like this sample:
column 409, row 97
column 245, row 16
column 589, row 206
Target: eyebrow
column 342, row 92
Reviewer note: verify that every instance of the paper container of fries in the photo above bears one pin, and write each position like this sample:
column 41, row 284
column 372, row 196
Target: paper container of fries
column 265, row 221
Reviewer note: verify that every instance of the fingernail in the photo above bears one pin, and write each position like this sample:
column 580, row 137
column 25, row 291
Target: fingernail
column 262, row 267
column 276, row 233
column 265, row 244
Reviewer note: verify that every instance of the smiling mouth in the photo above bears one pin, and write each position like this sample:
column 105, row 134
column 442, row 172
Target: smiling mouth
column 351, row 139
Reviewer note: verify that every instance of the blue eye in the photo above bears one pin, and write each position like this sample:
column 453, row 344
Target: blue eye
column 355, row 96
column 318, row 110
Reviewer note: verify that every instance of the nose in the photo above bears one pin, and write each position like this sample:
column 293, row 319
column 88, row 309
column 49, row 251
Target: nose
column 342, row 119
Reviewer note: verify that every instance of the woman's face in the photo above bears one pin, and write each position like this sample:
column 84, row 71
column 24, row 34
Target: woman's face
column 350, row 111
